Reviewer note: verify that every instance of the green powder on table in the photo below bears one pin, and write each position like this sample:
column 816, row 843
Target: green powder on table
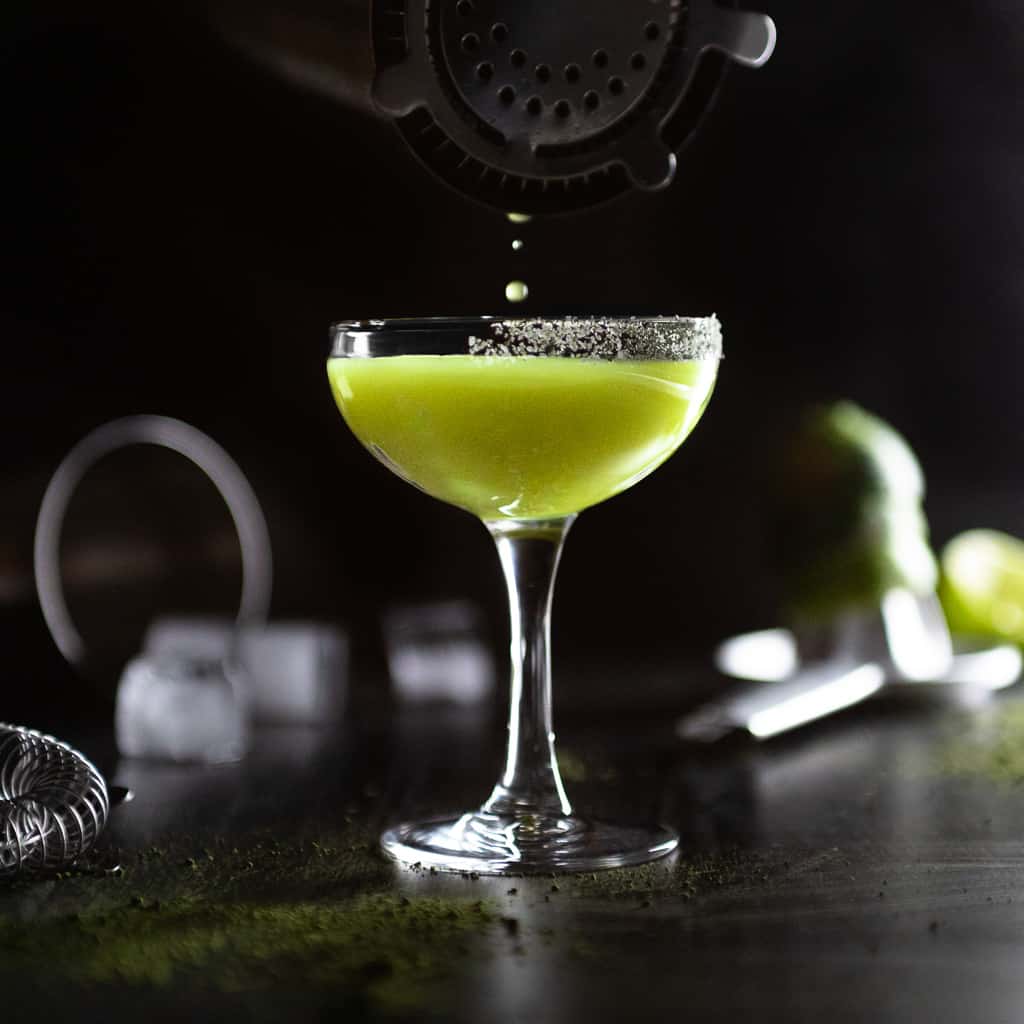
column 990, row 747
column 204, row 913
column 682, row 879
column 391, row 949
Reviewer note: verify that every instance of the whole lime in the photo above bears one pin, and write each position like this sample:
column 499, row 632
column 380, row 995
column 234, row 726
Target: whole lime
column 849, row 520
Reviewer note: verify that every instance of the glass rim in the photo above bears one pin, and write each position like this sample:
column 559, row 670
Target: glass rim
column 599, row 337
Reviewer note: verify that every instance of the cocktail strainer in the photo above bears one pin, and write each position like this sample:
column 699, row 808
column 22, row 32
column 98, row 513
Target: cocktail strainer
column 548, row 106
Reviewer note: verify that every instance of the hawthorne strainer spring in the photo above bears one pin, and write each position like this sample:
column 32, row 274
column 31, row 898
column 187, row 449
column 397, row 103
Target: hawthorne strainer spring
column 53, row 803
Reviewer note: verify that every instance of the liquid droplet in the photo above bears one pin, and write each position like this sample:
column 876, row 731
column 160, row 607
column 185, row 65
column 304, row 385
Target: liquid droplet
column 516, row 291
column 517, row 245
column 518, row 218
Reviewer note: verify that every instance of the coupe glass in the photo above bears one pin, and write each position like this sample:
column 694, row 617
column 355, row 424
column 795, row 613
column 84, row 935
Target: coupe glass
column 524, row 423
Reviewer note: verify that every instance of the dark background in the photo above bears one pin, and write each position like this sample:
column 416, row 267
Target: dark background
column 180, row 226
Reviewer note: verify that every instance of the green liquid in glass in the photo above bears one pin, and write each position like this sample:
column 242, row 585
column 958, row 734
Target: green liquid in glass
column 522, row 437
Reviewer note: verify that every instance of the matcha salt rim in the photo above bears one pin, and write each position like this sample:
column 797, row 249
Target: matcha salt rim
column 671, row 338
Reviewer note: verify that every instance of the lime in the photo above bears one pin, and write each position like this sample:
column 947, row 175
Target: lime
column 849, row 516
column 982, row 585
column 840, row 463
column 891, row 551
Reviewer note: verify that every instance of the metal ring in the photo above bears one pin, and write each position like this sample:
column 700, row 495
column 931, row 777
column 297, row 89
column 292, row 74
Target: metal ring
column 207, row 455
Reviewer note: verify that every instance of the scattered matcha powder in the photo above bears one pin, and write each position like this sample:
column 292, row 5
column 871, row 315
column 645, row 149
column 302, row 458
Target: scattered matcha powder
column 393, row 949
column 304, row 914
column 991, row 747
column 684, row 880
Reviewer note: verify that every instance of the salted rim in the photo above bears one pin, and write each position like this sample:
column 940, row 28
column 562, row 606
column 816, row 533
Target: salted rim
column 673, row 338
column 609, row 338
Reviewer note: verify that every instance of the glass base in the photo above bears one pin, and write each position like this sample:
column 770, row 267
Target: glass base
column 495, row 844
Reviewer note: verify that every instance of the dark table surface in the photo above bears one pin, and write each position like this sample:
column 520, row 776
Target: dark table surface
column 866, row 869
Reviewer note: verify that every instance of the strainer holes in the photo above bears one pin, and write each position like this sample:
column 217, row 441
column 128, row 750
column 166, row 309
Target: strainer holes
column 652, row 31
column 470, row 42
column 543, row 73
column 572, row 73
column 464, row 7
column 499, row 31
column 518, row 58
column 600, row 59
column 637, row 62
column 562, row 108
column 485, row 71
column 507, row 94
column 616, row 86
column 534, row 106
column 591, row 99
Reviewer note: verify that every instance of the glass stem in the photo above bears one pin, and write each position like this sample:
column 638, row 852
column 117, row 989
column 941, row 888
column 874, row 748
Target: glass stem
column 530, row 784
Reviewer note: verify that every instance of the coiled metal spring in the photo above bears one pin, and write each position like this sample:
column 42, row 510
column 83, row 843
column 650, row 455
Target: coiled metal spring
column 53, row 803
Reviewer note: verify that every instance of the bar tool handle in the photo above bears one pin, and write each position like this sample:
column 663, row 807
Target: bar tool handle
column 763, row 710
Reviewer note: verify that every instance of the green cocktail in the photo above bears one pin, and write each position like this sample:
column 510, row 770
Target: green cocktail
column 512, row 437
column 524, row 423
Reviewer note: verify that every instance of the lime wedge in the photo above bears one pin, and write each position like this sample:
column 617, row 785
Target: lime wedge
column 982, row 584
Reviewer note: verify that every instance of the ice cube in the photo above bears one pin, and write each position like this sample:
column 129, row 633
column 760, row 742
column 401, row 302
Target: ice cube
column 191, row 637
column 437, row 652
column 177, row 708
column 294, row 673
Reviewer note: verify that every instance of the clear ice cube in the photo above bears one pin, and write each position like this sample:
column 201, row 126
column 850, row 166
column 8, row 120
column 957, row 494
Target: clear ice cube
column 438, row 652
column 293, row 673
column 173, row 707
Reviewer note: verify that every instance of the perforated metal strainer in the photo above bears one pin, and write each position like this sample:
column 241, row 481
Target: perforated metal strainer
column 539, row 106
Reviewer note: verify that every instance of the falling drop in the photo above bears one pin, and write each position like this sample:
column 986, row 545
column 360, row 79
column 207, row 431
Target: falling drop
column 516, row 291
column 518, row 218
column 517, row 245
